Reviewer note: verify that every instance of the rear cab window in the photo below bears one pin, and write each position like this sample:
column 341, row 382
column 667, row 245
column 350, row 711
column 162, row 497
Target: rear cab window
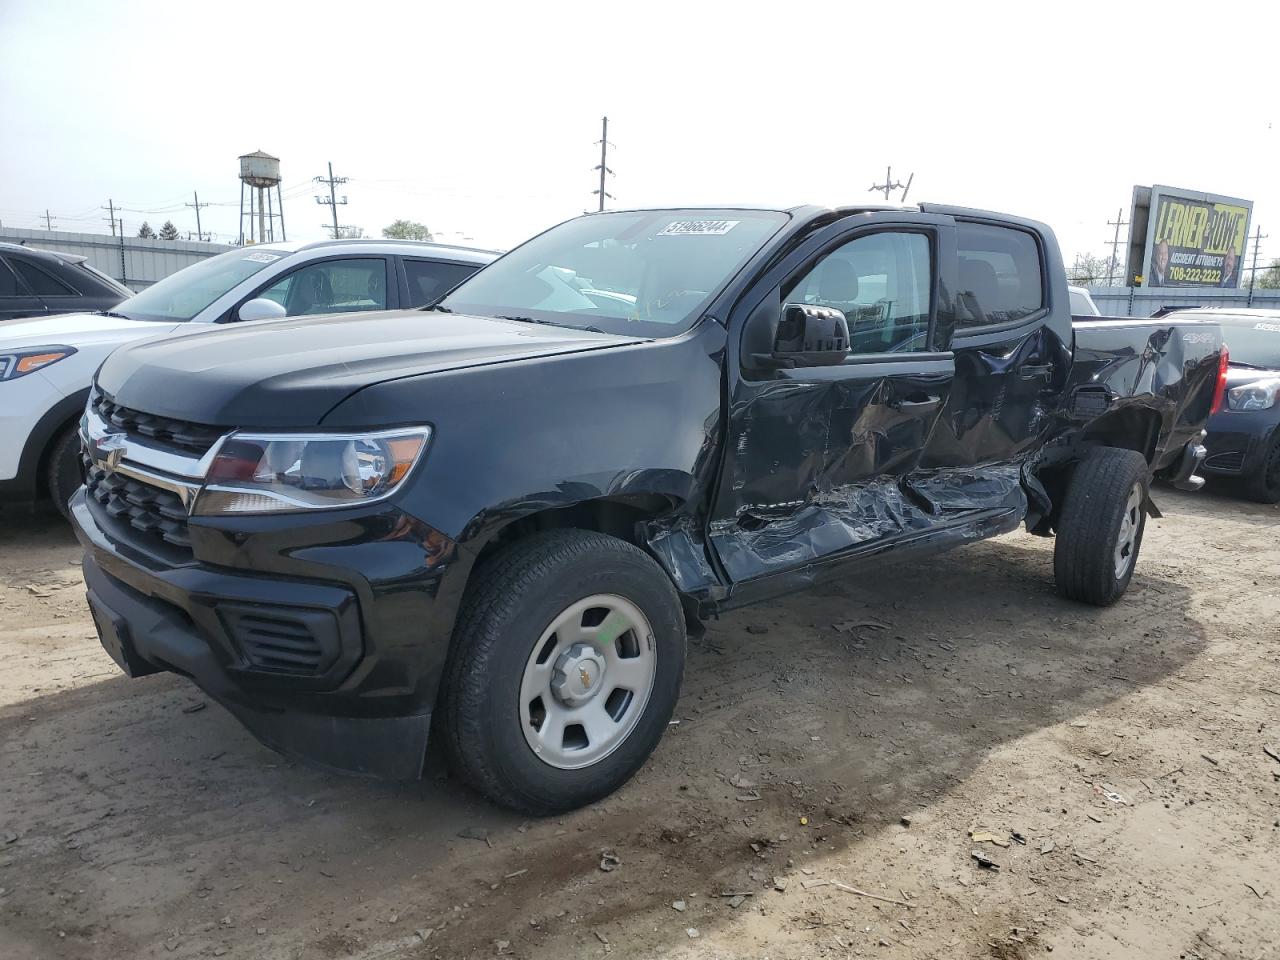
column 1000, row 277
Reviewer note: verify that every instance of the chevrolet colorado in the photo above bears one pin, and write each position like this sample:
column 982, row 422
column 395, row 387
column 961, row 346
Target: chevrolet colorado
column 500, row 519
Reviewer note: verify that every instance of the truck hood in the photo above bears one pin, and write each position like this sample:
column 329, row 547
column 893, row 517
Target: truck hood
column 290, row 373
column 77, row 330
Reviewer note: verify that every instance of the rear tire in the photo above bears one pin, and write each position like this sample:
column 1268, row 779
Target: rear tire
column 1264, row 486
column 545, row 705
column 1101, row 526
column 65, row 471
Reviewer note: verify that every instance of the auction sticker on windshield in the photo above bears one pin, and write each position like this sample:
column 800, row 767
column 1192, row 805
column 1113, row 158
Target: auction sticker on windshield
column 698, row 228
column 263, row 257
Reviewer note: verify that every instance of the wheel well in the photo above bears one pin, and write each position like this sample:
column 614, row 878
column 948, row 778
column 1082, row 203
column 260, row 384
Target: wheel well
column 42, row 464
column 1135, row 428
column 616, row 516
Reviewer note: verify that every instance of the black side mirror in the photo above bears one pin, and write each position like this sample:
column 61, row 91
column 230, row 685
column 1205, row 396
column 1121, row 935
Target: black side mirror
column 810, row 336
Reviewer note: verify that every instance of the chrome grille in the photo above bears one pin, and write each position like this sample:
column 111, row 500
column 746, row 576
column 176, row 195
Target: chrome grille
column 194, row 438
column 152, row 511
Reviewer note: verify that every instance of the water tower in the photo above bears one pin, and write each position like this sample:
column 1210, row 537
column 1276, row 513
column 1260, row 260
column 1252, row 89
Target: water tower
column 261, row 171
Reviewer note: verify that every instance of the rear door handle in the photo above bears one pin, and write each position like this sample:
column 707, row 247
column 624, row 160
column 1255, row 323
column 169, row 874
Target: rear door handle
column 1042, row 372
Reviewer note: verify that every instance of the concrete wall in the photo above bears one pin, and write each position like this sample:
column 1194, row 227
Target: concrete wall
column 135, row 262
column 1144, row 301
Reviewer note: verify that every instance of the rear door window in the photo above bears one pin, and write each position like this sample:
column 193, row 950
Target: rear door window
column 41, row 282
column 1000, row 279
column 429, row 279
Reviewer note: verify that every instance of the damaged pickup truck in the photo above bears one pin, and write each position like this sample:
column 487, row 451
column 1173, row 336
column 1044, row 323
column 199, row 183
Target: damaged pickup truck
column 497, row 519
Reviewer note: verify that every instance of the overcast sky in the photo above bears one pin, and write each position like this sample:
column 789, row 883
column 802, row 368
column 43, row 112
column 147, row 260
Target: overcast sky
column 480, row 119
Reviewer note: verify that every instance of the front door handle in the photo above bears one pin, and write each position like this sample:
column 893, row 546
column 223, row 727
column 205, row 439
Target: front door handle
column 1032, row 372
column 919, row 406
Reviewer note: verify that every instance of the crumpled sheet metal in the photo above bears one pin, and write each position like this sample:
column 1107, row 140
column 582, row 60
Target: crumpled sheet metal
column 839, row 521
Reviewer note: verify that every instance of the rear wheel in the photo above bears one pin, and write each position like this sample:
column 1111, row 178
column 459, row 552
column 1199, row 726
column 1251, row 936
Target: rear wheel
column 1264, row 486
column 65, row 471
column 1101, row 526
column 566, row 666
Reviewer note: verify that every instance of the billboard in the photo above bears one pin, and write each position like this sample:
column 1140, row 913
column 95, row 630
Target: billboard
column 1188, row 239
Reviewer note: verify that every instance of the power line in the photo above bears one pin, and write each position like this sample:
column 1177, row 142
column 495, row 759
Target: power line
column 332, row 200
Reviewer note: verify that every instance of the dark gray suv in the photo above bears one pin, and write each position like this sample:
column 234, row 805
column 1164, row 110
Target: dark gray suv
column 38, row 283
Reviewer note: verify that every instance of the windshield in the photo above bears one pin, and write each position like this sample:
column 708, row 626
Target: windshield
column 647, row 273
column 180, row 296
column 1257, row 344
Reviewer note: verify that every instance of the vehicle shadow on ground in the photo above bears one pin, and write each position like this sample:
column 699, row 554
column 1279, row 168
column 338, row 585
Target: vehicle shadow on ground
column 852, row 705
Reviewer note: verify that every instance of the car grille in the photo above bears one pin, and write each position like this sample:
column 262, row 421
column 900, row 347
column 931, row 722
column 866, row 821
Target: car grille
column 194, row 438
column 1231, row 462
column 154, row 512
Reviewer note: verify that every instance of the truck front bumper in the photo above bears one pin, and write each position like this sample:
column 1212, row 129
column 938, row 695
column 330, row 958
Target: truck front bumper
column 339, row 669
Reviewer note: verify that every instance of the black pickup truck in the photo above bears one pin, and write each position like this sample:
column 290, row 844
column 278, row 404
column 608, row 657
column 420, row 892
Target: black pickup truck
column 499, row 518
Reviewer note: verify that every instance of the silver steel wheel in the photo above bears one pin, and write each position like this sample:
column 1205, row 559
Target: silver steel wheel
column 587, row 682
column 1127, row 540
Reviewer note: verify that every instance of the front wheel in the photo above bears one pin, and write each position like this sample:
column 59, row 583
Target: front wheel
column 64, row 472
column 1101, row 526
column 1264, row 485
column 565, row 669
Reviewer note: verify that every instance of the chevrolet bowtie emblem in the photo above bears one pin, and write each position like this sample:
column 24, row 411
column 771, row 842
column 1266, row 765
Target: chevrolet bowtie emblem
column 109, row 448
column 585, row 678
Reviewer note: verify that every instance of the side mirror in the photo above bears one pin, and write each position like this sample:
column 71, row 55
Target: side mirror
column 810, row 336
column 261, row 309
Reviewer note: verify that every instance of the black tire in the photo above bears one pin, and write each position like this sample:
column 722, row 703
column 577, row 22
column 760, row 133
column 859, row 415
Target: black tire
column 514, row 598
column 1264, row 486
column 1085, row 557
column 64, row 472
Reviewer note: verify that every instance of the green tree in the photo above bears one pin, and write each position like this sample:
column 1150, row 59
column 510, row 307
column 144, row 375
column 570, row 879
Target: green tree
column 145, row 231
column 407, row 230
column 168, row 231
column 1269, row 278
column 1093, row 271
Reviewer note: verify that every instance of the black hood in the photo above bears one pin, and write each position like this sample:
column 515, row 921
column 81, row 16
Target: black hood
column 290, row 373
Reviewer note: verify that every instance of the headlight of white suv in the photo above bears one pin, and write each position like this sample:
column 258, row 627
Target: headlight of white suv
column 1259, row 395
column 284, row 473
column 18, row 363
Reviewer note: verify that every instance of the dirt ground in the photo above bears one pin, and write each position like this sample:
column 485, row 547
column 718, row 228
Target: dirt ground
column 849, row 737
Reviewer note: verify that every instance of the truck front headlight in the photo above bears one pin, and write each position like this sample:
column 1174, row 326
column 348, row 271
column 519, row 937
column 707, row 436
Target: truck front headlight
column 1259, row 395
column 285, row 473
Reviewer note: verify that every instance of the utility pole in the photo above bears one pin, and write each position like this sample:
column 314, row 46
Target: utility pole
column 888, row 186
column 604, row 167
column 195, row 196
column 1115, row 246
column 332, row 200
column 111, row 216
column 1258, row 237
column 48, row 221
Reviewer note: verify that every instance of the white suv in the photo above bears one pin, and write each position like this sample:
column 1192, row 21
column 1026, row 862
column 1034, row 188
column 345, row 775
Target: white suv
column 47, row 365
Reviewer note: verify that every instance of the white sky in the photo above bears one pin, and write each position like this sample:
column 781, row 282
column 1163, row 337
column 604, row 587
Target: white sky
column 480, row 119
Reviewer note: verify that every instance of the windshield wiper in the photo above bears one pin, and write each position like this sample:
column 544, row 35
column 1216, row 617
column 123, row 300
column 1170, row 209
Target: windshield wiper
column 112, row 313
column 1252, row 366
column 550, row 323
column 436, row 307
